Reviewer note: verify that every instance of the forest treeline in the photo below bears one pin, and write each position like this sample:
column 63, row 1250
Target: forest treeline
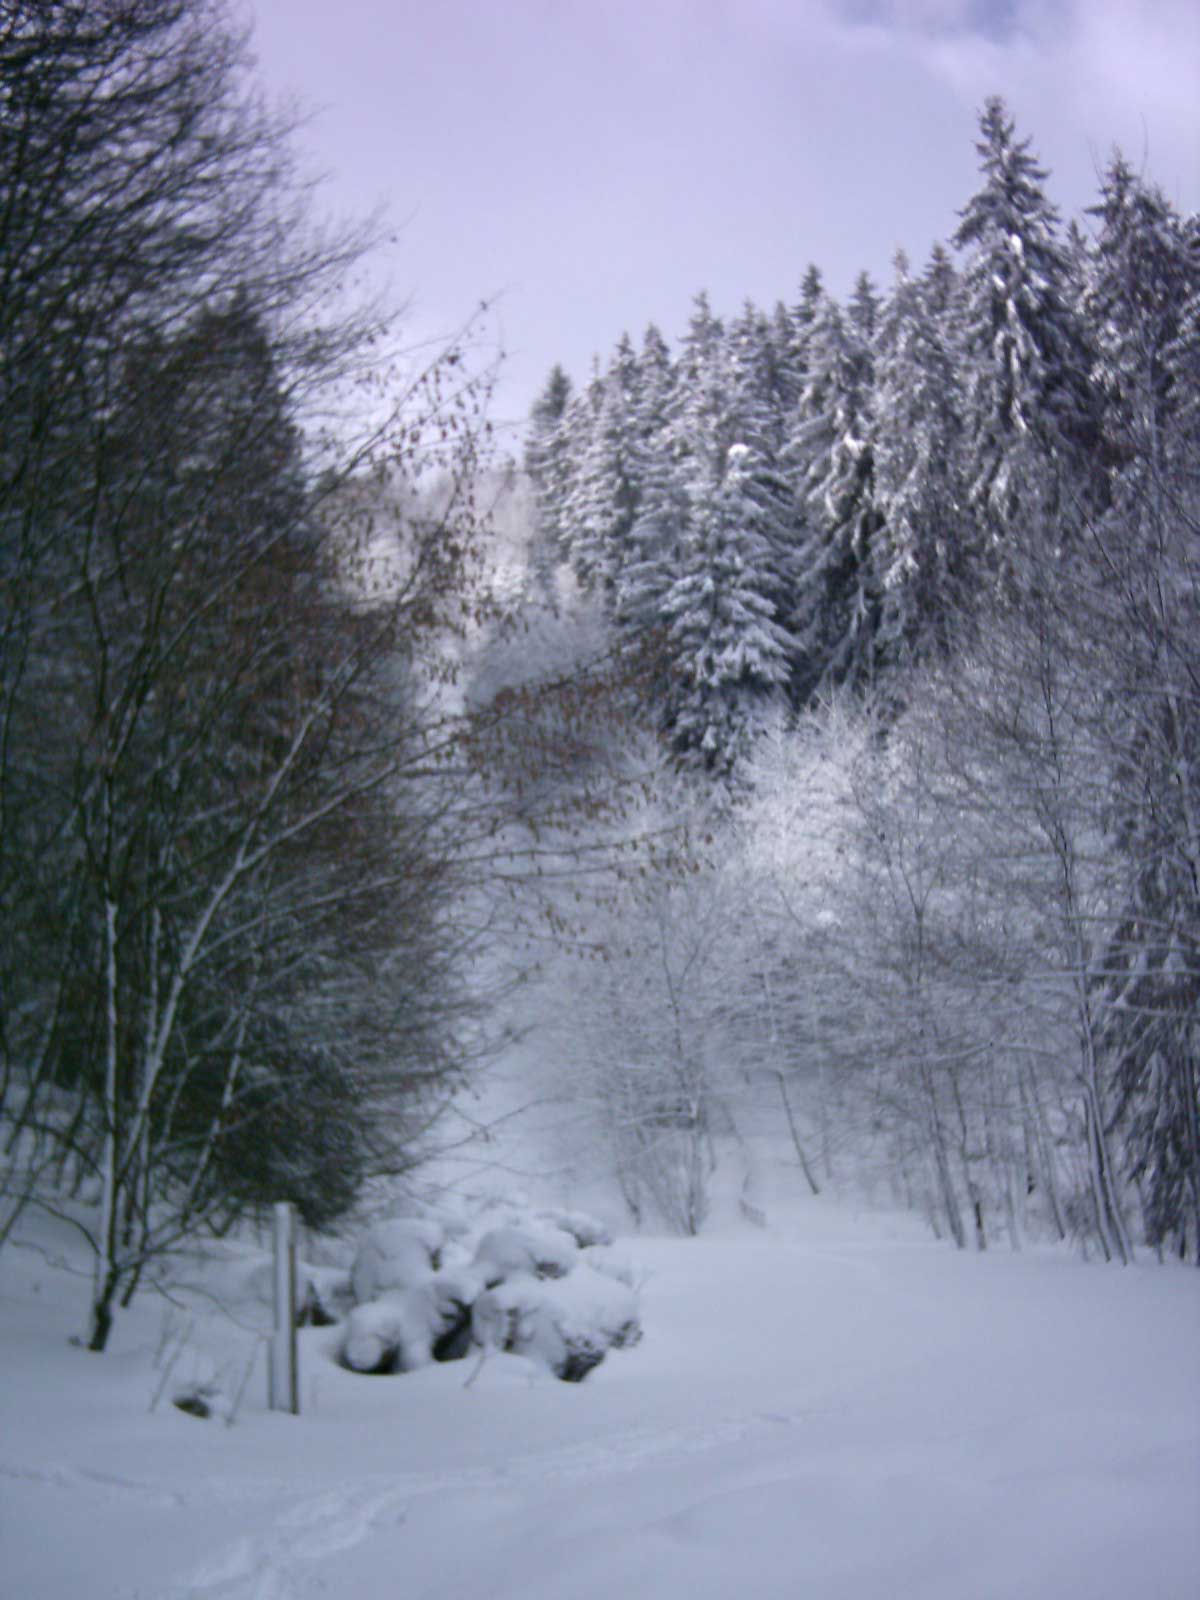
column 918, row 574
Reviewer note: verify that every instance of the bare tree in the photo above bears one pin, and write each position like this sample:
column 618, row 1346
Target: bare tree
column 234, row 823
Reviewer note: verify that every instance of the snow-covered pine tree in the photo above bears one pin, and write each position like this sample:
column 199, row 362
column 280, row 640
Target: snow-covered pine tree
column 925, row 537
column 546, row 465
column 1027, row 411
column 786, row 373
column 604, row 489
column 657, row 533
column 757, row 386
column 691, row 429
column 760, row 420
column 863, row 308
column 731, row 657
column 1135, row 290
column 699, row 409
column 834, row 608
column 808, row 306
column 655, row 387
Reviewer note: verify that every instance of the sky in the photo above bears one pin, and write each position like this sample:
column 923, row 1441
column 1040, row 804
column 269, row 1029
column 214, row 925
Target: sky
column 587, row 166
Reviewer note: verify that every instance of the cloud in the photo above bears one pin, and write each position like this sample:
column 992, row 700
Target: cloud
column 1081, row 76
column 1143, row 65
column 995, row 19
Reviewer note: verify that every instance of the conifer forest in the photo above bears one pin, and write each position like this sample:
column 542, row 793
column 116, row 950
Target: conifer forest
column 914, row 581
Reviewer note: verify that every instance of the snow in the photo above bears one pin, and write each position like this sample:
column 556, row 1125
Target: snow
column 834, row 1405
column 395, row 1255
column 401, row 1320
column 544, row 1252
column 566, row 1325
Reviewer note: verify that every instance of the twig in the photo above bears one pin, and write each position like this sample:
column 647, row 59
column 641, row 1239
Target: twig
column 241, row 1389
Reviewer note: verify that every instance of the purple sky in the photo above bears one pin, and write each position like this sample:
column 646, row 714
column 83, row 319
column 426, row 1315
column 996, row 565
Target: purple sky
column 593, row 163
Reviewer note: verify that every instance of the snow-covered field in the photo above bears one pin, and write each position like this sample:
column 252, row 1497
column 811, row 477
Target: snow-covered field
column 834, row 1406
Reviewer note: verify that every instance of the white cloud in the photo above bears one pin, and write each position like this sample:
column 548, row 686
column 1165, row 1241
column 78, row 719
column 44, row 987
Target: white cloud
column 1080, row 76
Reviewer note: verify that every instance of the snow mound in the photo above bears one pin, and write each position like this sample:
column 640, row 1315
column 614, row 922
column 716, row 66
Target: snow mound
column 584, row 1229
column 394, row 1333
column 545, row 1285
column 567, row 1325
column 396, row 1255
column 543, row 1252
column 612, row 1263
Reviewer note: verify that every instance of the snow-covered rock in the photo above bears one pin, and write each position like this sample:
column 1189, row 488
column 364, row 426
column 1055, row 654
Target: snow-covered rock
column 535, row 1248
column 539, row 1284
column 567, row 1325
column 584, row 1229
column 394, row 1333
column 396, row 1255
column 404, row 1329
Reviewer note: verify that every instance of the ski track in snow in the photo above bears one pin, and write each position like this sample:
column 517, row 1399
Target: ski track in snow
column 74, row 1478
column 270, row 1566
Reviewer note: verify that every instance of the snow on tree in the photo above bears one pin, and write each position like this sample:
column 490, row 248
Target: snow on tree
column 604, row 492
column 1139, row 286
column 834, row 609
column 925, row 539
column 731, row 657
column 805, row 313
column 547, row 465
column 1027, row 412
column 662, row 512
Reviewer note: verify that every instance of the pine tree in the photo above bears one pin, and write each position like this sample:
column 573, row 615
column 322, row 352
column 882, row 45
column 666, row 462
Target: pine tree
column 731, row 658
column 605, row 484
column 808, row 307
column 655, row 388
column 1131, row 299
column 834, row 609
column 1139, row 285
column 658, row 529
column 699, row 420
column 1027, row 412
column 925, row 539
column 547, row 467
column 786, row 372
column 863, row 309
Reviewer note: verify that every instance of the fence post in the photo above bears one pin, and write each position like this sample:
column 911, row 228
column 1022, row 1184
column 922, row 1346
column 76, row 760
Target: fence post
column 283, row 1374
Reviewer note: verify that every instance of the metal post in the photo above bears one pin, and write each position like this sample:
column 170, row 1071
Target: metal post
column 284, row 1377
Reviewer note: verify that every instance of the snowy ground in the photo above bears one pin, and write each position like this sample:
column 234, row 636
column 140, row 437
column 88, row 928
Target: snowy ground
column 834, row 1406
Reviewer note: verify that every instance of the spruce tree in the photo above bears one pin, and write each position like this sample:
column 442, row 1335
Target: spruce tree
column 656, row 534
column 834, row 609
column 1138, row 285
column 547, row 467
column 925, row 539
column 730, row 656
column 605, row 487
column 1028, row 416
